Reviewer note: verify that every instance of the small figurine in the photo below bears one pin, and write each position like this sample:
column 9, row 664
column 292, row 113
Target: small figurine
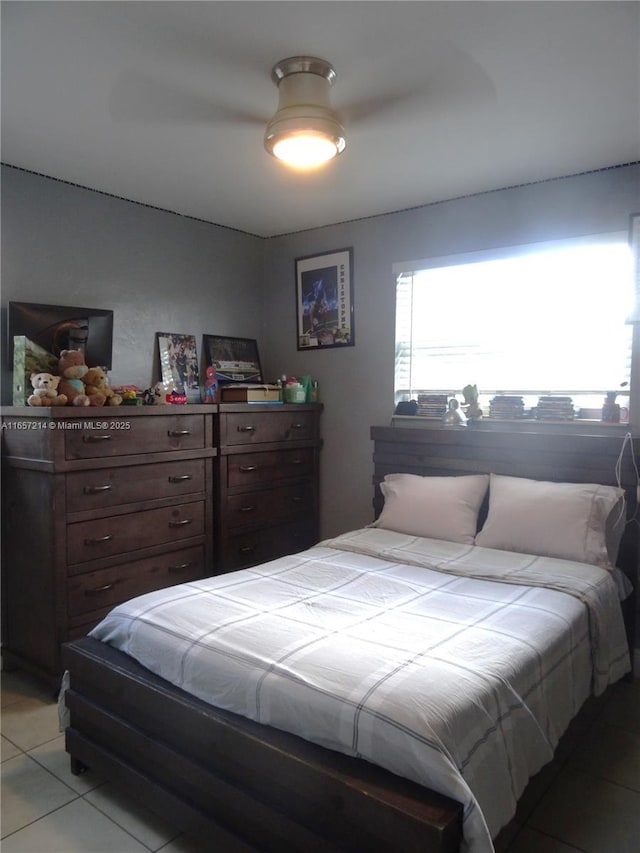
column 473, row 411
column 211, row 386
column 454, row 417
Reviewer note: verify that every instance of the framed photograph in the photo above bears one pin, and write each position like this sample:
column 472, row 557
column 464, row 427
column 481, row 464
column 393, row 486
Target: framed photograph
column 324, row 300
column 178, row 361
column 235, row 359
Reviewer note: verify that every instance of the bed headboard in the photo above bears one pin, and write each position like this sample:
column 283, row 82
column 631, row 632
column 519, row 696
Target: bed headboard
column 554, row 456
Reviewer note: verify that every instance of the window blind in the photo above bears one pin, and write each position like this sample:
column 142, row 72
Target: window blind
column 531, row 321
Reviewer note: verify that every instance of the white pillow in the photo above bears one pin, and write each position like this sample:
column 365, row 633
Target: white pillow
column 435, row 507
column 565, row 520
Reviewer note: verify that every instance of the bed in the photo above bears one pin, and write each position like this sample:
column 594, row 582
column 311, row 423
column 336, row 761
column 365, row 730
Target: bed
column 392, row 688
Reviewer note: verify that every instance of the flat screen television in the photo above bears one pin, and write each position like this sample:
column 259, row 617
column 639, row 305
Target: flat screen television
column 58, row 327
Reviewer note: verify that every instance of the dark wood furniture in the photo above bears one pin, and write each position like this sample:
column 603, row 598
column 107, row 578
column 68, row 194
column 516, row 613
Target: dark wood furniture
column 100, row 505
column 267, row 484
column 249, row 787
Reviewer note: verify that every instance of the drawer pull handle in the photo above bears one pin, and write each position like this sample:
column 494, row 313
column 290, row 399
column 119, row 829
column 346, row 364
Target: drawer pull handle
column 94, row 490
column 98, row 589
column 99, row 540
column 177, row 433
column 246, row 469
column 296, row 499
column 180, row 567
column 247, row 428
column 297, row 461
column 247, row 549
column 180, row 523
column 179, row 478
column 93, row 439
column 248, row 508
column 298, row 426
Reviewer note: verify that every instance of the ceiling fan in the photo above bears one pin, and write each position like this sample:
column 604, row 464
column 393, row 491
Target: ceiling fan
column 304, row 112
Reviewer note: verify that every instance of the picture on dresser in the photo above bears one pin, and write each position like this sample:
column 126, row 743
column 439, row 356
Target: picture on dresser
column 235, row 359
column 324, row 300
column 178, row 361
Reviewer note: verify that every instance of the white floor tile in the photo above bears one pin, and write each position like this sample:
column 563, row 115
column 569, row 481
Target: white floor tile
column 623, row 709
column 8, row 749
column 18, row 685
column 136, row 819
column 612, row 753
column 531, row 841
column 75, row 828
column 188, row 844
column 591, row 814
column 30, row 722
column 55, row 759
column 28, row 793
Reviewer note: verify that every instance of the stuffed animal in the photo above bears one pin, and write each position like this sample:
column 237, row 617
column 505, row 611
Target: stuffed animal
column 72, row 371
column 97, row 385
column 45, row 391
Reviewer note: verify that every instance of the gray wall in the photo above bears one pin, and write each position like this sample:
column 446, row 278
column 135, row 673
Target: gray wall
column 158, row 272
column 356, row 384
column 163, row 272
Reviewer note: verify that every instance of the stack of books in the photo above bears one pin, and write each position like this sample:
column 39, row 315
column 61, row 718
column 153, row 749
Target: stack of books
column 505, row 406
column 432, row 405
column 555, row 408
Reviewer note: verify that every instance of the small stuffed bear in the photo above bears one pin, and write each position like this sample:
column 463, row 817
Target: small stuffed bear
column 45, row 391
column 96, row 385
column 72, row 371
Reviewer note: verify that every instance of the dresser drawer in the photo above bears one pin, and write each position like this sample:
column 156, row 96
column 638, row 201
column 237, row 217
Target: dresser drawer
column 246, row 469
column 108, row 587
column 239, row 550
column 260, row 427
column 261, row 507
column 107, row 487
column 122, row 436
column 104, row 537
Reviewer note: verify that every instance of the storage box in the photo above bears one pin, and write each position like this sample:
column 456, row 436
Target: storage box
column 249, row 394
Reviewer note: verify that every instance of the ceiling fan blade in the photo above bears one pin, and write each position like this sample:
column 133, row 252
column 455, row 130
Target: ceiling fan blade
column 454, row 82
column 138, row 97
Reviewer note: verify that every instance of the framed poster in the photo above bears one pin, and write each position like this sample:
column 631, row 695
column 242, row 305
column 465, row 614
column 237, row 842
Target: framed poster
column 235, row 359
column 178, row 361
column 324, row 300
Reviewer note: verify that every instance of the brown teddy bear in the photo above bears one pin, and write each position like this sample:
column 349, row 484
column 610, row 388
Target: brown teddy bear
column 96, row 385
column 72, row 371
column 45, row 391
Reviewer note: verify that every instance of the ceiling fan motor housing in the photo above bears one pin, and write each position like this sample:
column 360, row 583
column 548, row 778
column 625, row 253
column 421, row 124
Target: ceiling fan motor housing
column 304, row 105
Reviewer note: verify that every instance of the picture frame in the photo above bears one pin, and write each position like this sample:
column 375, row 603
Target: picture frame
column 324, row 300
column 236, row 360
column 178, row 362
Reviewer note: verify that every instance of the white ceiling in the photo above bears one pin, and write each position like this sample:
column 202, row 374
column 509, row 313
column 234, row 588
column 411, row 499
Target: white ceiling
column 165, row 103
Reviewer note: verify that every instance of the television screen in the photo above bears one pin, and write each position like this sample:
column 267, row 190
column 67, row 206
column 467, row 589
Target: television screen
column 58, row 327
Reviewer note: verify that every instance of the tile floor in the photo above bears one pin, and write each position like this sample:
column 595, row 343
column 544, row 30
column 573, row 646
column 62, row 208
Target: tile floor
column 587, row 799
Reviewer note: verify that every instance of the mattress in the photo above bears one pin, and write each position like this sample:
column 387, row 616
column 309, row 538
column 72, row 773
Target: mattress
column 456, row 666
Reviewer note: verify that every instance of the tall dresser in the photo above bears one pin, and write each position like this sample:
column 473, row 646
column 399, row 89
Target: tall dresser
column 268, row 460
column 99, row 505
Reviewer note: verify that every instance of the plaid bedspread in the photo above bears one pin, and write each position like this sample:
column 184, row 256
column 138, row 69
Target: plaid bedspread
column 456, row 666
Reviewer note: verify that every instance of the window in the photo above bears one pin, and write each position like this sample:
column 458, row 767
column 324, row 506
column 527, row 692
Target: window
column 528, row 321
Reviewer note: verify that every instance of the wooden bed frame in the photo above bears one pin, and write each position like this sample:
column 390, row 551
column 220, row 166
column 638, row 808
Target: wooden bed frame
column 248, row 787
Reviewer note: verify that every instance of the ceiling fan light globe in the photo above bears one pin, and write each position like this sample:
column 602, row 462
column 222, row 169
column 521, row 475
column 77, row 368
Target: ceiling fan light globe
column 305, row 131
column 305, row 150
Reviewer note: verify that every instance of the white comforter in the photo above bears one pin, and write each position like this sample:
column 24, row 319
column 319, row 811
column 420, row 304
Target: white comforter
column 456, row 666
